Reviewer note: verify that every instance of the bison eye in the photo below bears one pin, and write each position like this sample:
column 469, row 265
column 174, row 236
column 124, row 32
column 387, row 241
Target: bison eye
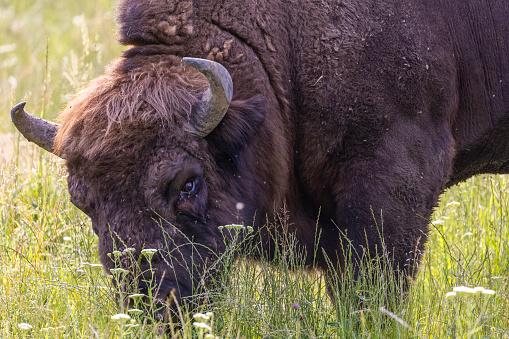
column 189, row 187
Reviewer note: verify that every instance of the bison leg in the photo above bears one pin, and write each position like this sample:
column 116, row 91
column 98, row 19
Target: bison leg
column 384, row 200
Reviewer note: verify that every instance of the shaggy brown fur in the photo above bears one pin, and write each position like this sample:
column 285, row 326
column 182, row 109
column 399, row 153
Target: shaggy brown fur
column 360, row 111
column 153, row 88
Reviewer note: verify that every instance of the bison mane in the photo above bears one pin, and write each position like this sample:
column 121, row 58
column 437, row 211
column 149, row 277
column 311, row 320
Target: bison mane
column 145, row 87
column 166, row 22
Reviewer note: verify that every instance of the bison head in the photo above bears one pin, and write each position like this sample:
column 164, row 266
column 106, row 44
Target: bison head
column 153, row 149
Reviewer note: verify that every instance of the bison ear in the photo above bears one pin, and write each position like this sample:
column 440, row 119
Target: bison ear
column 236, row 130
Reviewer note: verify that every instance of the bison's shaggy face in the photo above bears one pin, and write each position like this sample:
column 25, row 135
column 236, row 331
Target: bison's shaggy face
column 156, row 197
column 149, row 178
column 154, row 149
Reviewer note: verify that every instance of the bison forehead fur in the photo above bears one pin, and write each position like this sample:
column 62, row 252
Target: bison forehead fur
column 144, row 91
column 361, row 112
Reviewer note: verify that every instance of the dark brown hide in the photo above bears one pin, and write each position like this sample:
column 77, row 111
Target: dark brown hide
column 363, row 110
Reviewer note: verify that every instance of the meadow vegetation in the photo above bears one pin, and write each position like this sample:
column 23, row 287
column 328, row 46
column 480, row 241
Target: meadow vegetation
column 52, row 284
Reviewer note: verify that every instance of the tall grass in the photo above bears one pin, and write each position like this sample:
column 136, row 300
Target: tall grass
column 51, row 279
column 49, row 48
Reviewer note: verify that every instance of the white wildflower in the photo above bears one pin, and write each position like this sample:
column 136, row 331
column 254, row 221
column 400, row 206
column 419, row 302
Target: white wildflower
column 136, row 296
column 234, row 227
column 464, row 289
column 202, row 326
column 450, row 295
column 120, row 316
column 478, row 289
column 201, row 317
column 117, row 254
column 95, row 265
column 48, row 329
column 149, row 253
column 475, row 290
column 25, row 326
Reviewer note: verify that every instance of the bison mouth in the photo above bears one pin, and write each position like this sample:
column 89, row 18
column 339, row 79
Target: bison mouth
column 165, row 300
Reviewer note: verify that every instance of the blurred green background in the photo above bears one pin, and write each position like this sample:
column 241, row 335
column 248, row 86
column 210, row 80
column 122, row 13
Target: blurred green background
column 48, row 49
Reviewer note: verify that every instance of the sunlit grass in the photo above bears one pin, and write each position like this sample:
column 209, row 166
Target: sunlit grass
column 52, row 279
column 50, row 48
column 53, row 286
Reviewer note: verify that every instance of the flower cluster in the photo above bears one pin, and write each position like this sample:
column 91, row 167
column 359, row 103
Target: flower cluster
column 55, row 329
column 202, row 325
column 149, row 253
column 120, row 317
column 25, row 326
column 123, row 318
column 91, row 265
column 469, row 290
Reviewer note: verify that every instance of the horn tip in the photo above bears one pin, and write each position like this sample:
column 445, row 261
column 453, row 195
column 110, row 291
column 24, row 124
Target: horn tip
column 18, row 108
column 190, row 60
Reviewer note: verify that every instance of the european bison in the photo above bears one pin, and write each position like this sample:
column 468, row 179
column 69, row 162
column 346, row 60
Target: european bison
column 362, row 112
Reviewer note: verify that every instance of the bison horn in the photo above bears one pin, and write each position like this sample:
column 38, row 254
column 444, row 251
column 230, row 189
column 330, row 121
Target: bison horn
column 209, row 112
column 36, row 130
